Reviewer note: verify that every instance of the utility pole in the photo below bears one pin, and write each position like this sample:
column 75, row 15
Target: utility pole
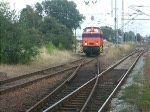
column 136, row 35
column 75, row 41
column 111, row 8
column 115, row 20
column 123, row 19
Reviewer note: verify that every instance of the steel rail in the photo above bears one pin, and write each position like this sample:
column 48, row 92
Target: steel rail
column 35, row 80
column 84, row 85
column 24, row 76
column 96, row 83
column 12, row 88
column 92, row 91
column 119, row 84
column 34, row 73
column 69, row 95
column 41, row 102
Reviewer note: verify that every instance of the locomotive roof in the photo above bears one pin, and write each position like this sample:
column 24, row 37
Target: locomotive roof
column 92, row 27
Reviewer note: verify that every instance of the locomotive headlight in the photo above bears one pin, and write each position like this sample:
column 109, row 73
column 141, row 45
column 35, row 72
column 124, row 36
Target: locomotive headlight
column 85, row 43
column 96, row 43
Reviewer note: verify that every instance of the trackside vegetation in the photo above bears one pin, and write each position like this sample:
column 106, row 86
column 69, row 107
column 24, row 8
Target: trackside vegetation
column 109, row 35
column 145, row 98
column 113, row 52
column 138, row 94
column 50, row 23
column 48, row 57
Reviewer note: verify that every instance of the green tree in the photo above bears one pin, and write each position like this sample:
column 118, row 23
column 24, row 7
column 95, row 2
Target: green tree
column 131, row 36
column 30, row 18
column 138, row 37
column 108, row 33
column 17, row 45
column 126, row 37
column 39, row 8
column 148, row 39
column 56, row 33
column 64, row 11
column 119, row 32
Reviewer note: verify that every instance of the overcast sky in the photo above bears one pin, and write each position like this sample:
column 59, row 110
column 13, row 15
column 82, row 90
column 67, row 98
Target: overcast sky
column 102, row 13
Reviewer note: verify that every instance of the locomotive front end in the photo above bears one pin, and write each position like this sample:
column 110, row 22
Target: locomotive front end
column 92, row 41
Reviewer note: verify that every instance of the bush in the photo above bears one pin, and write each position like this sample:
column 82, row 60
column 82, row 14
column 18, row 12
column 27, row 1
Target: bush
column 60, row 47
column 57, row 33
column 19, row 46
column 50, row 47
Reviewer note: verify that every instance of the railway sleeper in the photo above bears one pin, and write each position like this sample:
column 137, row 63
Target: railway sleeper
column 73, row 105
column 76, row 100
column 84, row 93
column 77, row 103
column 106, row 84
column 68, row 109
column 80, row 98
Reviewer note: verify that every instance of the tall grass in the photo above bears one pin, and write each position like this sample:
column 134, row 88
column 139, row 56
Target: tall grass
column 139, row 93
column 147, row 66
column 114, row 52
column 145, row 98
column 54, row 57
column 47, row 58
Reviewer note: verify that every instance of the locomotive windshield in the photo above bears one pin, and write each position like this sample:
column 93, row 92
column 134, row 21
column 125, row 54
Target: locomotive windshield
column 87, row 30
column 96, row 30
column 91, row 29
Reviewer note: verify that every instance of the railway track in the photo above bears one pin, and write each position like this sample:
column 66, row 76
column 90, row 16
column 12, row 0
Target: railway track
column 78, row 78
column 27, row 79
column 91, row 95
column 119, row 81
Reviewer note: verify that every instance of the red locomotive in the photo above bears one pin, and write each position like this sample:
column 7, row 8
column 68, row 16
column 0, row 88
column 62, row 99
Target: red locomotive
column 92, row 41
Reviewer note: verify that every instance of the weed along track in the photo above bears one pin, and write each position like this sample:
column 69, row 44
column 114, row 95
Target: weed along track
column 24, row 80
column 87, row 92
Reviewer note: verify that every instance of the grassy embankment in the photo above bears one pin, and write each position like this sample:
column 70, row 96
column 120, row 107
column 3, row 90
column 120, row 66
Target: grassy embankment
column 47, row 58
column 138, row 94
column 50, row 56
column 144, row 102
column 113, row 52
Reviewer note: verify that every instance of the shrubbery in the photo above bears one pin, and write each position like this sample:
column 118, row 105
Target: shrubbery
column 21, row 37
